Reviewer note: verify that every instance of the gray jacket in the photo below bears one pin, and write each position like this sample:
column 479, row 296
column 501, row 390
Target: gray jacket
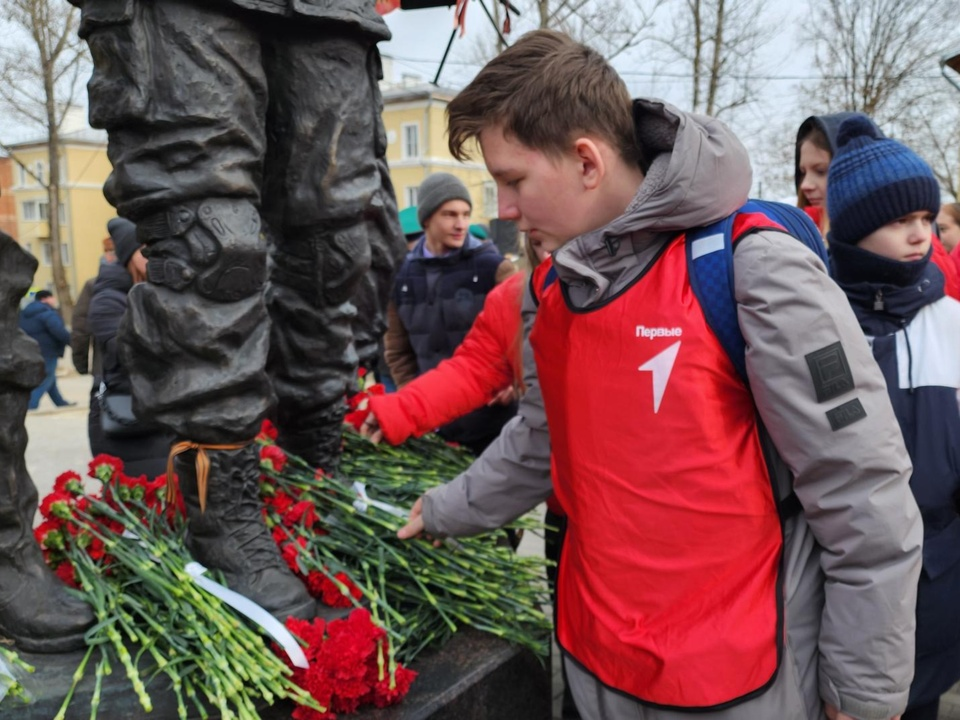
column 852, row 557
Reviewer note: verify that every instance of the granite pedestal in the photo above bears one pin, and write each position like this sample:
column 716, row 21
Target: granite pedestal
column 473, row 677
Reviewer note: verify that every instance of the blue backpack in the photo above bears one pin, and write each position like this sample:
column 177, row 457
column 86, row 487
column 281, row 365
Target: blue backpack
column 710, row 267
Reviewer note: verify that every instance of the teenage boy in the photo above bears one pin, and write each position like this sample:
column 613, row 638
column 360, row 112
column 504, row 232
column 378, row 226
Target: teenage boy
column 882, row 199
column 438, row 293
column 686, row 582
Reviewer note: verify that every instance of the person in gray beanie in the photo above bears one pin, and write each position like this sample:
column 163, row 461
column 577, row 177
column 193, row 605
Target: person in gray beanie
column 438, row 292
column 435, row 191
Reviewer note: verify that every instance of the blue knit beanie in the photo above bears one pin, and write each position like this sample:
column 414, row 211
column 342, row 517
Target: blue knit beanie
column 872, row 181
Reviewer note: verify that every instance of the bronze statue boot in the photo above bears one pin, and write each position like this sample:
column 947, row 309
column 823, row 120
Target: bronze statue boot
column 229, row 534
column 36, row 610
column 316, row 438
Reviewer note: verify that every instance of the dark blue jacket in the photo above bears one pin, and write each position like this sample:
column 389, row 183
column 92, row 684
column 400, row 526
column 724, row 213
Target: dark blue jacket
column 44, row 324
column 107, row 305
column 914, row 331
column 437, row 299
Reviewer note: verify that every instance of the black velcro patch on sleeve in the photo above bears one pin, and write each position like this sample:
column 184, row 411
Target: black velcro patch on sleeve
column 846, row 414
column 830, row 372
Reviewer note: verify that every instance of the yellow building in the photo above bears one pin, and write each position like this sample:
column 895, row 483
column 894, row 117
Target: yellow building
column 84, row 211
column 415, row 121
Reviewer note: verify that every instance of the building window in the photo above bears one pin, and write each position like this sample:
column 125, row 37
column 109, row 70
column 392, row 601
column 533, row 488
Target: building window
column 29, row 209
column 39, row 171
column 23, row 175
column 489, row 199
column 44, row 210
column 410, row 195
column 48, row 254
column 411, row 140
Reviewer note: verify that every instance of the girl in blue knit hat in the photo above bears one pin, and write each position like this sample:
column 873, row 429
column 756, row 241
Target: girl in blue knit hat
column 882, row 199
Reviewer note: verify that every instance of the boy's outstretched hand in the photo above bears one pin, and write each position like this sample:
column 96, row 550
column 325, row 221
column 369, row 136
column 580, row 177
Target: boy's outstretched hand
column 414, row 525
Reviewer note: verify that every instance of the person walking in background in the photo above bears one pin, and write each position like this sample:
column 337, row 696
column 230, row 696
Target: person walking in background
column 437, row 294
column 41, row 321
column 882, row 199
column 814, row 150
column 143, row 448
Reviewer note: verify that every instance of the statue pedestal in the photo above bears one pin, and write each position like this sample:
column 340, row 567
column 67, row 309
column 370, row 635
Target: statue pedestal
column 473, row 677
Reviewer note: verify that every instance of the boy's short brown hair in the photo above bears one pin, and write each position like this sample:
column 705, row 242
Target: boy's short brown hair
column 544, row 91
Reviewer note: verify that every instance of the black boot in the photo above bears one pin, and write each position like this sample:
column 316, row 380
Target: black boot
column 36, row 611
column 230, row 535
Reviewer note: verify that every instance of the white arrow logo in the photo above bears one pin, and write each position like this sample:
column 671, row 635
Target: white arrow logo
column 660, row 366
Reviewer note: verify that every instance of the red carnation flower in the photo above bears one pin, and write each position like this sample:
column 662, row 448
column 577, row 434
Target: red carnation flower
column 57, row 504
column 280, row 502
column 268, row 431
column 65, row 572
column 105, row 467
column 273, row 457
column 332, row 595
column 69, row 482
column 291, row 554
column 49, row 536
column 303, row 512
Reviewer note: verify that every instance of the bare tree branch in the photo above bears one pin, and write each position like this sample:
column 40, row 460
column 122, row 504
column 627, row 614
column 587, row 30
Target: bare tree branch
column 38, row 82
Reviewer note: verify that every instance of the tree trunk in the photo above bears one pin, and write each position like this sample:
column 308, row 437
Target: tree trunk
column 716, row 66
column 697, row 50
column 64, row 298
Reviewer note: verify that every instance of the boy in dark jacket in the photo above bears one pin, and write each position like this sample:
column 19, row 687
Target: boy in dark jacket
column 882, row 200
column 41, row 321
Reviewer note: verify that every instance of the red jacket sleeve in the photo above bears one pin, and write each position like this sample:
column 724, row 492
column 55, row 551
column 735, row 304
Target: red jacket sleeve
column 948, row 267
column 485, row 362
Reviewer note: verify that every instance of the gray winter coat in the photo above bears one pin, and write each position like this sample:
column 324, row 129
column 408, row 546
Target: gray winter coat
column 852, row 557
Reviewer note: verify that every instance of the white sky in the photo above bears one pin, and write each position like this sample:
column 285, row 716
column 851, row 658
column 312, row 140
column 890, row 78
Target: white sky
column 420, row 36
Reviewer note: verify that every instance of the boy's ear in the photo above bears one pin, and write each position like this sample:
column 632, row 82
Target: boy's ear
column 591, row 162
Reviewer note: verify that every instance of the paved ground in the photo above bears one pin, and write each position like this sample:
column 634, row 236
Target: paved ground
column 58, row 442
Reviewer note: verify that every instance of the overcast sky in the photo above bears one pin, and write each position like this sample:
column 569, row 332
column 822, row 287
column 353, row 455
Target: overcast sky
column 420, row 36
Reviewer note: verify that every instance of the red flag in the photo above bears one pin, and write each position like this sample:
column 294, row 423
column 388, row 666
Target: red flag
column 460, row 16
column 386, row 6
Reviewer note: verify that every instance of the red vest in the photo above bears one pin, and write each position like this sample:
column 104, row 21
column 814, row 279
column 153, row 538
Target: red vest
column 669, row 579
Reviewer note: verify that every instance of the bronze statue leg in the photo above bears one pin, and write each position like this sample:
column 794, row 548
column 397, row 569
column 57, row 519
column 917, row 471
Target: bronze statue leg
column 334, row 234
column 179, row 86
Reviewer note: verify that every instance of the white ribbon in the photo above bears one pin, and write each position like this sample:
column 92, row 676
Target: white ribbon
column 241, row 604
column 364, row 500
column 246, row 606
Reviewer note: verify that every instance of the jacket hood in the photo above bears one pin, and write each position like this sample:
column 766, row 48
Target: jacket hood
column 113, row 277
column 699, row 173
column 829, row 125
column 471, row 246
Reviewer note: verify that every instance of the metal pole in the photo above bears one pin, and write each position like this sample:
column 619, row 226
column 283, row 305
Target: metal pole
column 443, row 60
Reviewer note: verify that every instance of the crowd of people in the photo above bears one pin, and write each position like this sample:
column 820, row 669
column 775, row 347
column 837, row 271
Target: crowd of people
column 780, row 545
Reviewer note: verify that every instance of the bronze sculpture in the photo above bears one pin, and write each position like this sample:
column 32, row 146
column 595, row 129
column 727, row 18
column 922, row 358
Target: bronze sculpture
column 235, row 126
column 36, row 611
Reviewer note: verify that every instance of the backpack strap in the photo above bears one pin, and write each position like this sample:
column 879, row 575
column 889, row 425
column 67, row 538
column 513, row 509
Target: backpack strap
column 710, row 268
column 709, row 252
